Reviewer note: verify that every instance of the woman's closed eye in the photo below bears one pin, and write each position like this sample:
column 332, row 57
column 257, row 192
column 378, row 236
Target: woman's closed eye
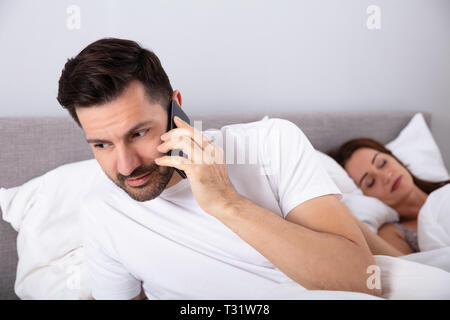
column 383, row 163
column 371, row 183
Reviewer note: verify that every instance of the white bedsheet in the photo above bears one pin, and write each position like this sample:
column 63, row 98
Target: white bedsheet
column 439, row 258
column 423, row 275
column 404, row 278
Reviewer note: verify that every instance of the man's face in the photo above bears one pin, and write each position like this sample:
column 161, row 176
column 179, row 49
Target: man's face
column 124, row 135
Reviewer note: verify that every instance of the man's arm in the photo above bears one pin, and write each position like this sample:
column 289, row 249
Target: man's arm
column 377, row 244
column 319, row 245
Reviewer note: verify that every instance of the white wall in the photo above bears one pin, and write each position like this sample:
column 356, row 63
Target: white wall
column 257, row 55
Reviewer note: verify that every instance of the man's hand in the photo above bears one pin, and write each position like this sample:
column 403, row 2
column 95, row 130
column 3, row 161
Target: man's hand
column 205, row 167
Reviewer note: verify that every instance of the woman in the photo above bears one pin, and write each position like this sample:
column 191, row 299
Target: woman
column 378, row 173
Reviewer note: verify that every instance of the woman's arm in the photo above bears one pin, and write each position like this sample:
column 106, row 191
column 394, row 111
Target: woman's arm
column 395, row 237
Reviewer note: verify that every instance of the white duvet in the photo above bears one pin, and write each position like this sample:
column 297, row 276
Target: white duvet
column 433, row 229
column 423, row 275
column 45, row 210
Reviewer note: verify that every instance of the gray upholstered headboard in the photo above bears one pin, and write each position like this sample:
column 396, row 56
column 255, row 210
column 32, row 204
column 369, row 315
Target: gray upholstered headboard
column 29, row 147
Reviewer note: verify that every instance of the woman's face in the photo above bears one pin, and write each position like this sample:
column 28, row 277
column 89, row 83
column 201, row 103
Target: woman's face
column 379, row 175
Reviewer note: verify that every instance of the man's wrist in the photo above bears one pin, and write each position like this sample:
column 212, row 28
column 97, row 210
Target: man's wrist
column 230, row 207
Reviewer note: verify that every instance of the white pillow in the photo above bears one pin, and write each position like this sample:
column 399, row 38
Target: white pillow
column 337, row 173
column 45, row 213
column 416, row 148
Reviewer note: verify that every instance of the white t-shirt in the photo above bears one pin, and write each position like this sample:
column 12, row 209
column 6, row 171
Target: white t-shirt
column 174, row 249
column 433, row 224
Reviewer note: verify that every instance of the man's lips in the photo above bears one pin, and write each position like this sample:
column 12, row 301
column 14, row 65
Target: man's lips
column 396, row 183
column 139, row 180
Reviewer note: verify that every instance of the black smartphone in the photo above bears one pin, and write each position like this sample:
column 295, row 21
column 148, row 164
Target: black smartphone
column 175, row 110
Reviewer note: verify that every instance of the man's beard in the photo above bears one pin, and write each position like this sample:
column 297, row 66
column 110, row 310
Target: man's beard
column 152, row 188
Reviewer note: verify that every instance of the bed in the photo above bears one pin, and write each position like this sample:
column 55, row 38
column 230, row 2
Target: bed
column 31, row 147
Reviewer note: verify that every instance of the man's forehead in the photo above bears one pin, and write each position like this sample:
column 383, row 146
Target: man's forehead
column 117, row 120
column 131, row 106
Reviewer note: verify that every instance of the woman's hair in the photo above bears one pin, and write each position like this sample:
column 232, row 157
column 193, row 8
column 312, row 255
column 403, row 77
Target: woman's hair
column 102, row 70
column 343, row 154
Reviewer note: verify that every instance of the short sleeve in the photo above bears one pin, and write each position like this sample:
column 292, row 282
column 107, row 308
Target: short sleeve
column 108, row 278
column 294, row 166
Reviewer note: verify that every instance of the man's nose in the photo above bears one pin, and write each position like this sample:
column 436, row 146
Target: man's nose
column 127, row 161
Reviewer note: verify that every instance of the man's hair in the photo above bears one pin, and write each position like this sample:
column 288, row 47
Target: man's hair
column 102, row 70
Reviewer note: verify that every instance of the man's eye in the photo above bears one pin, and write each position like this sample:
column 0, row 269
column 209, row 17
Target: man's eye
column 140, row 133
column 100, row 145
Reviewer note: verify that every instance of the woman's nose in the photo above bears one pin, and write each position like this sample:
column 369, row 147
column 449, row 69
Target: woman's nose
column 388, row 177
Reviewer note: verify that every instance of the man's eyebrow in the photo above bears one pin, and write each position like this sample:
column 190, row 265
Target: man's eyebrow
column 137, row 126
column 365, row 174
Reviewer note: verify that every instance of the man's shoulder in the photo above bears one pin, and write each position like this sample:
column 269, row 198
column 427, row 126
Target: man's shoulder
column 261, row 129
column 263, row 124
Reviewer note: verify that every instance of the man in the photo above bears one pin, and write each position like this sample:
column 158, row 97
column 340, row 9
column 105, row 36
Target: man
column 225, row 232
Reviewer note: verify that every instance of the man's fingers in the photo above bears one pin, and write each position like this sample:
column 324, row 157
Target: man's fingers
column 178, row 162
column 186, row 129
column 185, row 144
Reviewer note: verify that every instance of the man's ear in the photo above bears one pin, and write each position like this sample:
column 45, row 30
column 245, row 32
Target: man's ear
column 177, row 97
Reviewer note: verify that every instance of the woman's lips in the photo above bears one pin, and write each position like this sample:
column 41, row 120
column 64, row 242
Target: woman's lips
column 135, row 182
column 396, row 183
